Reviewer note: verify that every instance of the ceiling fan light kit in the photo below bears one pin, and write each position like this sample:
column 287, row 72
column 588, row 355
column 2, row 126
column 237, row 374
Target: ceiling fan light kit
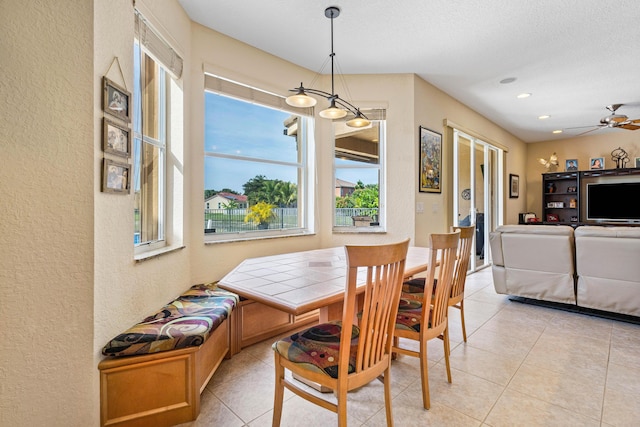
column 338, row 107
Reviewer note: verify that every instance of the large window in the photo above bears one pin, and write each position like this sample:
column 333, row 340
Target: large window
column 157, row 123
column 256, row 164
column 359, row 175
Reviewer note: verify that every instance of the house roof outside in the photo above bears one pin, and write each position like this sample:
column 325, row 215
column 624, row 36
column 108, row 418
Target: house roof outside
column 241, row 198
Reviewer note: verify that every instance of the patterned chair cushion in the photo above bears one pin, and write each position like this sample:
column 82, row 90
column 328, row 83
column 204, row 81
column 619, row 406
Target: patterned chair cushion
column 318, row 347
column 409, row 314
column 416, row 286
column 185, row 322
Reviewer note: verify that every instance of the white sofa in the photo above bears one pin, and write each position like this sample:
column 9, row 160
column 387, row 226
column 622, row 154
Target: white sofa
column 593, row 267
column 534, row 261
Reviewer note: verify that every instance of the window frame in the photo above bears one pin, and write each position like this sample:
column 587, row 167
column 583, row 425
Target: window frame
column 305, row 164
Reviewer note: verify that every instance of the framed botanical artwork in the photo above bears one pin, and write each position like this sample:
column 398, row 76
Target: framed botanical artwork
column 116, row 138
column 116, row 100
column 514, row 186
column 596, row 163
column 116, row 177
column 571, row 165
column 430, row 167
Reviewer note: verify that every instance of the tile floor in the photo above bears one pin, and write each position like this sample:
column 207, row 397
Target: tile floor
column 522, row 365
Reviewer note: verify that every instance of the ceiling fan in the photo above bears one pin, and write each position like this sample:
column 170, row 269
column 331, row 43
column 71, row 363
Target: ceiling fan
column 613, row 120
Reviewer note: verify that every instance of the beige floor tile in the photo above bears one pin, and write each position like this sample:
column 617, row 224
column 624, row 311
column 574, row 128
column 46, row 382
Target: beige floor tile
column 497, row 368
column 621, row 409
column 583, row 395
column 468, row 394
column 624, row 378
column 515, row 409
column 512, row 345
column 213, row 412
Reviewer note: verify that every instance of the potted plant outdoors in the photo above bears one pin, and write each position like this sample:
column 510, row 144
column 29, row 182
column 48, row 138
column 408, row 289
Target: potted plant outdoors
column 262, row 214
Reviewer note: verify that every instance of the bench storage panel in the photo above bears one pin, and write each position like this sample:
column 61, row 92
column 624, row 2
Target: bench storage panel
column 160, row 366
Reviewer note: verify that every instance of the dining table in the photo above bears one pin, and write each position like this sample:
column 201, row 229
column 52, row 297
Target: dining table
column 299, row 282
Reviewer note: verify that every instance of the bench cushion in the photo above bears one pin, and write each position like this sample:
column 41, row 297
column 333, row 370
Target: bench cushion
column 185, row 322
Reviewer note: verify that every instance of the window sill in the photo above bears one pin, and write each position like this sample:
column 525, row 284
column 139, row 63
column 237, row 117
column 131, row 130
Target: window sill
column 359, row 230
column 232, row 238
column 138, row 258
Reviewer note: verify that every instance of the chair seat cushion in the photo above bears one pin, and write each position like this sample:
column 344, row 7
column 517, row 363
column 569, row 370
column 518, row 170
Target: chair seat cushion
column 413, row 286
column 185, row 322
column 318, row 348
column 409, row 314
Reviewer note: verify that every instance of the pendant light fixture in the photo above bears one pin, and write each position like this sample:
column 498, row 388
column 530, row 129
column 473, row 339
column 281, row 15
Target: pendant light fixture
column 338, row 107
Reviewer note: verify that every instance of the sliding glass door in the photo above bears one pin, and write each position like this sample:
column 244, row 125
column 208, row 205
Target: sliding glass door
column 477, row 184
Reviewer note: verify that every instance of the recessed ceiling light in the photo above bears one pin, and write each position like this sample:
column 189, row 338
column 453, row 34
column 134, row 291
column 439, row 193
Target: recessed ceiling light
column 508, row 80
column 557, row 131
column 544, row 116
column 523, row 95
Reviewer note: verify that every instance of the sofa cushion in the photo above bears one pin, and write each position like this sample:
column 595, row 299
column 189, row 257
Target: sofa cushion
column 187, row 321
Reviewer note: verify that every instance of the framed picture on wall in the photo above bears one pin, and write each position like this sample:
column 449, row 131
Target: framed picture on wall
column 115, row 177
column 514, row 186
column 116, row 138
column 116, row 100
column 637, row 162
column 430, row 167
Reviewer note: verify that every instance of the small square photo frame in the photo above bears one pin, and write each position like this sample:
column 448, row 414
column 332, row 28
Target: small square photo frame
column 116, row 100
column 514, row 186
column 552, row 218
column 116, row 138
column 116, row 177
column 637, row 161
column 571, row 165
column 596, row 163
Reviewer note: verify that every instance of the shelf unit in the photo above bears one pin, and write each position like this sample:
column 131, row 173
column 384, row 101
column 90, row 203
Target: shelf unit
column 561, row 198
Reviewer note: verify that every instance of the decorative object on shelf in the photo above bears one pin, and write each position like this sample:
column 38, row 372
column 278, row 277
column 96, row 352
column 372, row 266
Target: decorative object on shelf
column 571, row 165
column 548, row 164
column 514, row 186
column 115, row 177
column 620, row 157
column 116, row 138
column 574, row 219
column 572, row 189
column 573, row 203
column 596, row 163
column 552, row 218
column 338, row 107
column 466, row 194
column 554, row 205
column 430, row 161
column 551, row 187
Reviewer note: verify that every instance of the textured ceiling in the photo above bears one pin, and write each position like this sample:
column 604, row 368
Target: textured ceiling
column 574, row 56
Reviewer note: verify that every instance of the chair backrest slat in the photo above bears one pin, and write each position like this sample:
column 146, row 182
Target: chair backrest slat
column 462, row 263
column 443, row 253
column 384, row 265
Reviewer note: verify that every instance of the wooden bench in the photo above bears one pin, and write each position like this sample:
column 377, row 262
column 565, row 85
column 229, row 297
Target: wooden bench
column 157, row 369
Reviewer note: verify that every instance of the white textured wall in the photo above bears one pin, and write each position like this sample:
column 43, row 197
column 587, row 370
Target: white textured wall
column 46, row 213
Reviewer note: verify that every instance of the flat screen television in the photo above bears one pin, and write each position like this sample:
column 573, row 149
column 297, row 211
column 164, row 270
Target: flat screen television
column 613, row 202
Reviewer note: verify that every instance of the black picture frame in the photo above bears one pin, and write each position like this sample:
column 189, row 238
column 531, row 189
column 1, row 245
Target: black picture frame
column 430, row 161
column 116, row 100
column 514, row 186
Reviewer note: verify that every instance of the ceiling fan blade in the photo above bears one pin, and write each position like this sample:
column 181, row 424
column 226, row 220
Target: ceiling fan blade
column 629, row 126
column 584, row 133
column 582, row 127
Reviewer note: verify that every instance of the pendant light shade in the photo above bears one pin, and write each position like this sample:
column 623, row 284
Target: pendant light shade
column 358, row 121
column 338, row 107
column 301, row 99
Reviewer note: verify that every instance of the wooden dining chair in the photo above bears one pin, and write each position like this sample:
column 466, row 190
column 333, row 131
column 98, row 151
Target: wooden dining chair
column 415, row 287
column 346, row 354
column 426, row 319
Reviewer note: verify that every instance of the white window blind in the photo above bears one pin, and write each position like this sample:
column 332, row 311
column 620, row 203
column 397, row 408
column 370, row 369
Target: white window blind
column 157, row 47
column 226, row 87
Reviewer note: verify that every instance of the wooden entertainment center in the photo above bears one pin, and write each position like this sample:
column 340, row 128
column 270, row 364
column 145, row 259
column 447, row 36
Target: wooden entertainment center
column 564, row 195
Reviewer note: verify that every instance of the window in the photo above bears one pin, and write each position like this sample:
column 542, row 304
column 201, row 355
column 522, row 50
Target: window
column 256, row 165
column 156, row 133
column 359, row 175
